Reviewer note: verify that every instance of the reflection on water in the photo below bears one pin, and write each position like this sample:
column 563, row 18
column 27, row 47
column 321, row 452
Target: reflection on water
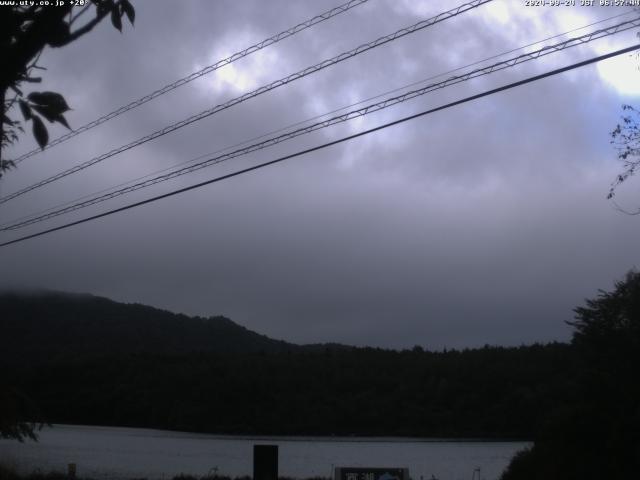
column 105, row 452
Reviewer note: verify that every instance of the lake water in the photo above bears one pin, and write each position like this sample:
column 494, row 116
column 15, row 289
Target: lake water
column 120, row 453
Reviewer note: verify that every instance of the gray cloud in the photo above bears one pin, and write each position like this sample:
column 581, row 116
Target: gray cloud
column 485, row 223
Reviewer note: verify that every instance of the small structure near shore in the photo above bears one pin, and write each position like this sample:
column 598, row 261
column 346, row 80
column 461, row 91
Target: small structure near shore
column 265, row 462
column 367, row 473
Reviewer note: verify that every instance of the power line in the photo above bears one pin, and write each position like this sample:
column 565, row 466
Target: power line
column 302, row 122
column 265, row 88
column 332, row 121
column 334, row 142
column 509, row 63
column 204, row 71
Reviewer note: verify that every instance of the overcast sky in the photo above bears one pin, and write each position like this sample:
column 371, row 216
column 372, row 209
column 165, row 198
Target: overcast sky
column 484, row 223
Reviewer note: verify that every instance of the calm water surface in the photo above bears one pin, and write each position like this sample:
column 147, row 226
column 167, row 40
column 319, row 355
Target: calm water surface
column 110, row 453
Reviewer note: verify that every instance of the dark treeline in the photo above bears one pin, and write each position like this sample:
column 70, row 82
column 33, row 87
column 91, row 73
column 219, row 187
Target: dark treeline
column 595, row 433
column 490, row 392
column 88, row 360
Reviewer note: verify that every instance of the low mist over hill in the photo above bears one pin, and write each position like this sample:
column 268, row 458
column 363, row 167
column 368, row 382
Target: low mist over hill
column 41, row 325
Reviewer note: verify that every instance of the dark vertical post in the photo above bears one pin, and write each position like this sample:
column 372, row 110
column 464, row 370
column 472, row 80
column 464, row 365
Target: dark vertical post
column 265, row 462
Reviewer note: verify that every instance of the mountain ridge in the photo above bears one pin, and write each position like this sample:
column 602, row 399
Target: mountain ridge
column 42, row 323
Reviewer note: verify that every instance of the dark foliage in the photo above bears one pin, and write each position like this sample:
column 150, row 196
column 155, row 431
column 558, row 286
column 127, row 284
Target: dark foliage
column 597, row 433
column 18, row 415
column 626, row 139
column 25, row 30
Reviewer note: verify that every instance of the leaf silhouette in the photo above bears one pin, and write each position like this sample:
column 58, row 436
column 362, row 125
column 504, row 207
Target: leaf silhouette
column 116, row 20
column 128, row 9
column 62, row 120
column 49, row 99
column 25, row 108
column 40, row 132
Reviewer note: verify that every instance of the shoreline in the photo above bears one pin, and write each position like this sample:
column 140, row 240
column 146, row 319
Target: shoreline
column 287, row 438
column 114, row 453
column 10, row 473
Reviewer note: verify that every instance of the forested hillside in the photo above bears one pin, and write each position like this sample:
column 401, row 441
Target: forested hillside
column 89, row 360
column 42, row 326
